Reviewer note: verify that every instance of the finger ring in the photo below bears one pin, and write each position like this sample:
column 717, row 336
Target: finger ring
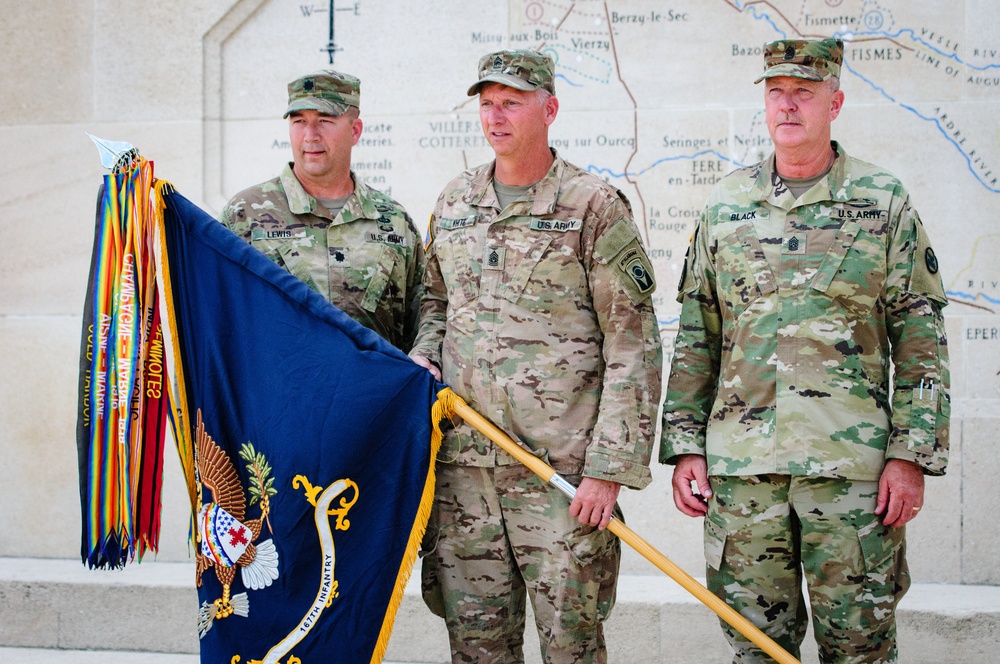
column 916, row 509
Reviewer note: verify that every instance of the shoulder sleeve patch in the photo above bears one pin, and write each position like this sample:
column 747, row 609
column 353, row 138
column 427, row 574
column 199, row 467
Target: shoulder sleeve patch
column 612, row 242
column 925, row 277
column 621, row 250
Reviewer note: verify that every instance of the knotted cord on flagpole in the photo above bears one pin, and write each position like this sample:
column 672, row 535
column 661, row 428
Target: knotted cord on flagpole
column 451, row 405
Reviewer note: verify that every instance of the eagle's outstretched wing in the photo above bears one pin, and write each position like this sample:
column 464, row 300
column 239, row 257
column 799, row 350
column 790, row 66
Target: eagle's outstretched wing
column 218, row 474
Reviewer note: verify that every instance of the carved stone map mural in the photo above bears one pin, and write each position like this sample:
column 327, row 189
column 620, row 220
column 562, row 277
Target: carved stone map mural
column 656, row 98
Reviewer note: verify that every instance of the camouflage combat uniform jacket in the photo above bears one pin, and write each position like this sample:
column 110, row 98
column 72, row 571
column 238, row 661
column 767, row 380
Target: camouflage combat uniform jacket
column 368, row 261
column 541, row 318
column 786, row 369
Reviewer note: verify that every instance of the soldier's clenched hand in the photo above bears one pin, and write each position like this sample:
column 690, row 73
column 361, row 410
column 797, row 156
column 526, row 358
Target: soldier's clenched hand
column 595, row 501
column 691, row 468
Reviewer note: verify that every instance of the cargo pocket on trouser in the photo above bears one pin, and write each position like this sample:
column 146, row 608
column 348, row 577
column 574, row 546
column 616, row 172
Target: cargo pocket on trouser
column 886, row 580
column 588, row 593
column 715, row 548
column 715, row 544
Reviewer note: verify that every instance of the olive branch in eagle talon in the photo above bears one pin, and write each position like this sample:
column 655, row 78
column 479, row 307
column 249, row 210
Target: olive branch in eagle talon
column 227, row 540
column 262, row 484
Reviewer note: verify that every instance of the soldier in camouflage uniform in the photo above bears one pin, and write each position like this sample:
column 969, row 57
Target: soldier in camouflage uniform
column 353, row 245
column 537, row 310
column 808, row 276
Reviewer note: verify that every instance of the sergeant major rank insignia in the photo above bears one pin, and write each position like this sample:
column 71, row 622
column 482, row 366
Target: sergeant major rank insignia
column 493, row 258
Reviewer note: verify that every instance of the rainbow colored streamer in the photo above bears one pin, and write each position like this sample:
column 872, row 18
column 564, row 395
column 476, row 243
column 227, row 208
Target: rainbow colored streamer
column 124, row 393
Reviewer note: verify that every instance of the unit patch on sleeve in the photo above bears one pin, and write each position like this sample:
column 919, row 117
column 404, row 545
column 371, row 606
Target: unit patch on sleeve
column 633, row 263
column 930, row 259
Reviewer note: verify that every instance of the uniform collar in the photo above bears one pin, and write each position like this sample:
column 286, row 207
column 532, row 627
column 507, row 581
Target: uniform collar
column 768, row 186
column 545, row 194
column 360, row 205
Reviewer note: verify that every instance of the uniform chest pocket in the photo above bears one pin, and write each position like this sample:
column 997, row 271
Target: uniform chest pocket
column 292, row 254
column 270, row 247
column 743, row 272
column 388, row 258
column 523, row 256
column 853, row 270
column 459, row 253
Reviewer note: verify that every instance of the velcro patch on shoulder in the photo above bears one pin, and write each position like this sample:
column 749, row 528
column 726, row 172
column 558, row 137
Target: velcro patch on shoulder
column 925, row 277
column 613, row 241
column 621, row 249
column 633, row 262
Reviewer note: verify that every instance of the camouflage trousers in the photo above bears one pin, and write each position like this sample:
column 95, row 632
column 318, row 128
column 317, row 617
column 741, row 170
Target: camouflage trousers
column 764, row 533
column 500, row 535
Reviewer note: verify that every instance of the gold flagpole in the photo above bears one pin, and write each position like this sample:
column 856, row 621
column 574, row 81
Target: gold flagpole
column 455, row 404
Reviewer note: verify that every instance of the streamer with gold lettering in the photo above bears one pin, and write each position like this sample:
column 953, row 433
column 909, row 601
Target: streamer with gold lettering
column 122, row 419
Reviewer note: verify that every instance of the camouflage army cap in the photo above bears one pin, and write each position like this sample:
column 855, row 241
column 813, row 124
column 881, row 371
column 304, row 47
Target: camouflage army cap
column 328, row 92
column 813, row 60
column 521, row 69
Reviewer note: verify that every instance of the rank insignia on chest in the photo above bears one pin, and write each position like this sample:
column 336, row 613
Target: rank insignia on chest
column 340, row 257
column 796, row 245
column 493, row 258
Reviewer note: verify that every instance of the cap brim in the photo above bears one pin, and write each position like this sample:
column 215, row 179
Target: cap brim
column 323, row 106
column 795, row 71
column 503, row 79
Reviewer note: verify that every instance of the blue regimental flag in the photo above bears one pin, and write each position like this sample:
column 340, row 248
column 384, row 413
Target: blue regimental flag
column 313, row 454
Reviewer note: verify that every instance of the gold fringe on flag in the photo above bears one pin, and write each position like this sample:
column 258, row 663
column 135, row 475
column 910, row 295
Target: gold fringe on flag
column 442, row 408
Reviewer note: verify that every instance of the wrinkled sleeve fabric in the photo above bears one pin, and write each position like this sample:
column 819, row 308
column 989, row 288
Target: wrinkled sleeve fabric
column 915, row 297
column 414, row 287
column 694, row 370
column 621, row 283
column 433, row 313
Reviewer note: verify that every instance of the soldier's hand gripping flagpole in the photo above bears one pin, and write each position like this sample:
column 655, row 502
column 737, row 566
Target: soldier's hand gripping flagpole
column 452, row 404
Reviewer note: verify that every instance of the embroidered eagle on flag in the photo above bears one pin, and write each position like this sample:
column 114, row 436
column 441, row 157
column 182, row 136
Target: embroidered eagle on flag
column 227, row 537
column 319, row 396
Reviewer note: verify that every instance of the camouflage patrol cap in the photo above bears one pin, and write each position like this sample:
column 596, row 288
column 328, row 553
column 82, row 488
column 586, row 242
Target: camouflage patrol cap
column 811, row 59
column 328, row 91
column 520, row 69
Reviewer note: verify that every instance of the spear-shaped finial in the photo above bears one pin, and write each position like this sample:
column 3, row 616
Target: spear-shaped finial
column 115, row 155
